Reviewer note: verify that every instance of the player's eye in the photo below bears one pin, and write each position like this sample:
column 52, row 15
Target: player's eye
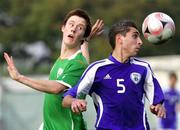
column 135, row 36
column 70, row 24
column 79, row 27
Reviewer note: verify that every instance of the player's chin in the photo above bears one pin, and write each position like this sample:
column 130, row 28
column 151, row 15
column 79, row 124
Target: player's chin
column 134, row 53
column 137, row 50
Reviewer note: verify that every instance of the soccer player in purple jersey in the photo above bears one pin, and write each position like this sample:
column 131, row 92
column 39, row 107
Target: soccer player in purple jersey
column 119, row 84
column 171, row 103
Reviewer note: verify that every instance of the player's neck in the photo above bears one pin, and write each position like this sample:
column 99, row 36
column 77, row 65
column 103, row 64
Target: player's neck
column 68, row 52
column 120, row 57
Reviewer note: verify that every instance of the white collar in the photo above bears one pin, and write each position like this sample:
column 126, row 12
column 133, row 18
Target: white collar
column 74, row 55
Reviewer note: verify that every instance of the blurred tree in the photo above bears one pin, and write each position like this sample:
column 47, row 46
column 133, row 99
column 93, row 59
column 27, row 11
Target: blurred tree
column 32, row 20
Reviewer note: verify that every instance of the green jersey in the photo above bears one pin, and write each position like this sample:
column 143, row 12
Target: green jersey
column 67, row 72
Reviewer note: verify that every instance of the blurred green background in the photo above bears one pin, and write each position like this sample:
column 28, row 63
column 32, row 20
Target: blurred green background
column 25, row 23
column 30, row 32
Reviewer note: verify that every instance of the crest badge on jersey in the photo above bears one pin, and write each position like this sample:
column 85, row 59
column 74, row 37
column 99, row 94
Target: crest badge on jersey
column 60, row 71
column 135, row 77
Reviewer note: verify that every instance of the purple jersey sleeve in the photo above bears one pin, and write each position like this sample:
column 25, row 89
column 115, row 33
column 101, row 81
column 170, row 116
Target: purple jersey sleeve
column 152, row 88
column 158, row 93
column 71, row 92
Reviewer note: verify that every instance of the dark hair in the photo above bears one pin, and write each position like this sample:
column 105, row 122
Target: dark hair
column 83, row 14
column 121, row 27
column 172, row 74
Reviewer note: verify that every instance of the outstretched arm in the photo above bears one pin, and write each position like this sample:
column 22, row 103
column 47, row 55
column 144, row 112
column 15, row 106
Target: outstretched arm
column 48, row 86
column 96, row 30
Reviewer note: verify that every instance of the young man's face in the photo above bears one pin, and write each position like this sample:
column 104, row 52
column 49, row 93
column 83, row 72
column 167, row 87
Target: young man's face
column 132, row 42
column 73, row 31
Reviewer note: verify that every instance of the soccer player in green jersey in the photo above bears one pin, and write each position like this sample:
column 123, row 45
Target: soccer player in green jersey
column 65, row 73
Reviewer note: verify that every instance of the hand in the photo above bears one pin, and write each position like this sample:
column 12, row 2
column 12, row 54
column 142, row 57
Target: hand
column 97, row 29
column 78, row 105
column 13, row 72
column 158, row 110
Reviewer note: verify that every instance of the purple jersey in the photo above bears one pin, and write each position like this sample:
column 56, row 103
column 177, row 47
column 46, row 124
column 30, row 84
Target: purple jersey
column 172, row 97
column 118, row 91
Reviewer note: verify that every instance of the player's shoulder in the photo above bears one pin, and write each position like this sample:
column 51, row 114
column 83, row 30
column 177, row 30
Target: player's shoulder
column 100, row 63
column 78, row 64
column 79, row 60
column 140, row 62
column 95, row 66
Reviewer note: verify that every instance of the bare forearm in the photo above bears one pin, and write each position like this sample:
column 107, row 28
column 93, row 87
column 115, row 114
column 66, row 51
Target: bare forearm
column 48, row 86
column 85, row 51
column 96, row 30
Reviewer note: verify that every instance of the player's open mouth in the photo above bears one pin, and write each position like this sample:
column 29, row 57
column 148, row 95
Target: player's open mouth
column 71, row 36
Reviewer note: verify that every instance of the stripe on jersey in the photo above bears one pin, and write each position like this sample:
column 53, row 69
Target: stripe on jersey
column 148, row 85
column 64, row 83
column 138, row 60
column 88, row 77
column 91, row 65
column 97, row 99
column 144, row 113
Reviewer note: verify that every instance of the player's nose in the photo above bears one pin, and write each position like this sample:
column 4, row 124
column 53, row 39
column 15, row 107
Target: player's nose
column 140, row 41
column 73, row 29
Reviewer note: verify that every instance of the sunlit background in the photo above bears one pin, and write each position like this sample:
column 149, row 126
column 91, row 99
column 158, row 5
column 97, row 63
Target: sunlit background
column 30, row 32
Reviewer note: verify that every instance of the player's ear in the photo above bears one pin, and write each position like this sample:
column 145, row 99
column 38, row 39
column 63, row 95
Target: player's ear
column 118, row 38
column 62, row 28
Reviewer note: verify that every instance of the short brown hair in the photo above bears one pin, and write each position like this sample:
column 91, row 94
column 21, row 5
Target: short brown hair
column 83, row 14
column 121, row 27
